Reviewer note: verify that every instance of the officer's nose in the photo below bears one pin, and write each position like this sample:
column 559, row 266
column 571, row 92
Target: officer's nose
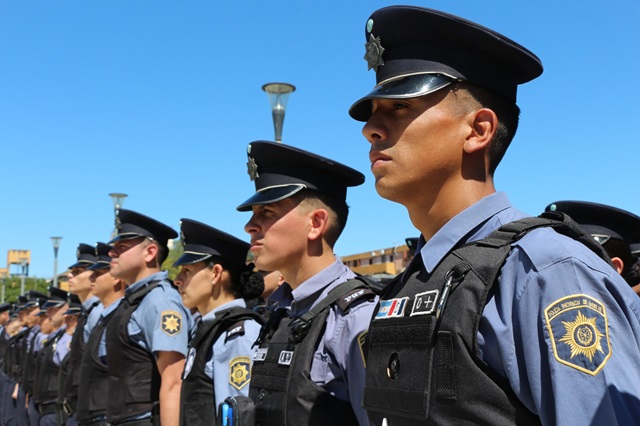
column 374, row 129
column 251, row 226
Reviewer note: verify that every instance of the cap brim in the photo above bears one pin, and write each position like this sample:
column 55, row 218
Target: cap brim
column 81, row 264
column 409, row 86
column 73, row 311
column 127, row 236
column 188, row 258
column 270, row 195
column 53, row 304
column 99, row 266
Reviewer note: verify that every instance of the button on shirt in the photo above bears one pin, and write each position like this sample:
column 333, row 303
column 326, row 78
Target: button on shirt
column 224, row 351
column 544, row 269
column 161, row 322
column 337, row 364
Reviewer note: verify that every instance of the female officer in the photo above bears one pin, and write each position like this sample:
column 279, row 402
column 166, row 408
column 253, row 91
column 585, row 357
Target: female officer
column 215, row 279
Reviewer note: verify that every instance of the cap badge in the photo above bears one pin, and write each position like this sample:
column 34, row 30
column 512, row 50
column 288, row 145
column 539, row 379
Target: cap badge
column 369, row 25
column 252, row 169
column 183, row 238
column 374, row 51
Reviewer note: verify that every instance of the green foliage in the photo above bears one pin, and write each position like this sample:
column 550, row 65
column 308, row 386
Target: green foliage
column 12, row 286
column 174, row 254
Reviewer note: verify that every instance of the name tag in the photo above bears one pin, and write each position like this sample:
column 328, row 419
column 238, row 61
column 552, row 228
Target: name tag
column 425, row 303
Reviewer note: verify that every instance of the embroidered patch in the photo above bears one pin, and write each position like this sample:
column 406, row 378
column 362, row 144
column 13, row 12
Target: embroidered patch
column 285, row 358
column 239, row 372
column 260, row 354
column 391, row 308
column 191, row 356
column 579, row 332
column 171, row 322
column 425, row 303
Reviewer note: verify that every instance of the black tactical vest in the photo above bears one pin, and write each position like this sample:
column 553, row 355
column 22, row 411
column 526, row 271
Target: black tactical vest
column 281, row 386
column 14, row 361
column 70, row 368
column 47, row 375
column 197, row 396
column 94, row 374
column 134, row 380
column 423, row 365
column 30, row 363
column 4, row 344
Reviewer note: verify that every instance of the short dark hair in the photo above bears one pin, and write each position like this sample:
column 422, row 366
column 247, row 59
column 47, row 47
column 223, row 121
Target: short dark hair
column 508, row 114
column 336, row 205
column 246, row 283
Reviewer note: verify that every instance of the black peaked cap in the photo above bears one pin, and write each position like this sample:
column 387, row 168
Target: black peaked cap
column 280, row 170
column 415, row 51
column 202, row 241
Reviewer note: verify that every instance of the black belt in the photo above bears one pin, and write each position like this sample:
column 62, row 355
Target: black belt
column 47, row 408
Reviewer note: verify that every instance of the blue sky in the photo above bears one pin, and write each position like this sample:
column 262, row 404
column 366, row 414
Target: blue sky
column 159, row 99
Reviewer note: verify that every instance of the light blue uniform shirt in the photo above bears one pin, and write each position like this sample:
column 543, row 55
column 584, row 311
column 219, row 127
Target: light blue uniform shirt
column 338, row 362
column 93, row 317
column 104, row 312
column 40, row 339
column 62, row 346
column 225, row 352
column 161, row 322
column 562, row 326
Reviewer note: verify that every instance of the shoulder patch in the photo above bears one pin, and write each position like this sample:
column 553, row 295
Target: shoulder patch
column 239, row 372
column 579, row 332
column 171, row 322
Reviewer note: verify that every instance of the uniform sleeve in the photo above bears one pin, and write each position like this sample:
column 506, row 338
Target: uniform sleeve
column 163, row 322
column 233, row 358
column 346, row 347
column 565, row 332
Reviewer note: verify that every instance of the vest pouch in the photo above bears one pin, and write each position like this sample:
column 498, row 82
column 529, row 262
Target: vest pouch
column 401, row 355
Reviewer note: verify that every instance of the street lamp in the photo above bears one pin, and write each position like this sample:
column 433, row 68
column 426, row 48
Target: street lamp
column 118, row 201
column 23, row 262
column 56, row 246
column 278, row 96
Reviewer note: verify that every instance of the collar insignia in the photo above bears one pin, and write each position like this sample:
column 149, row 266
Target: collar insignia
column 374, row 51
column 252, row 169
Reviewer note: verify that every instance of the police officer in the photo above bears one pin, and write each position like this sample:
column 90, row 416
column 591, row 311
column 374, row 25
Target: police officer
column 62, row 356
column 31, row 358
column 14, row 363
column 557, row 329
column 47, row 381
column 147, row 337
column 94, row 383
column 80, row 286
column 309, row 367
column 613, row 228
column 215, row 279
column 5, row 316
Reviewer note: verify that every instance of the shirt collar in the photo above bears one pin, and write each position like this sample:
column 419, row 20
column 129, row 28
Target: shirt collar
column 158, row 276
column 233, row 304
column 90, row 302
column 464, row 227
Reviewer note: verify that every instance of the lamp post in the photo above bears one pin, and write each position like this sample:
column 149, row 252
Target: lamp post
column 23, row 275
column 278, row 96
column 56, row 246
column 118, row 201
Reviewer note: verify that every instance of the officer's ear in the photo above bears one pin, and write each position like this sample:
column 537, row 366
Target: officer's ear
column 483, row 124
column 151, row 252
column 216, row 273
column 318, row 222
column 618, row 264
